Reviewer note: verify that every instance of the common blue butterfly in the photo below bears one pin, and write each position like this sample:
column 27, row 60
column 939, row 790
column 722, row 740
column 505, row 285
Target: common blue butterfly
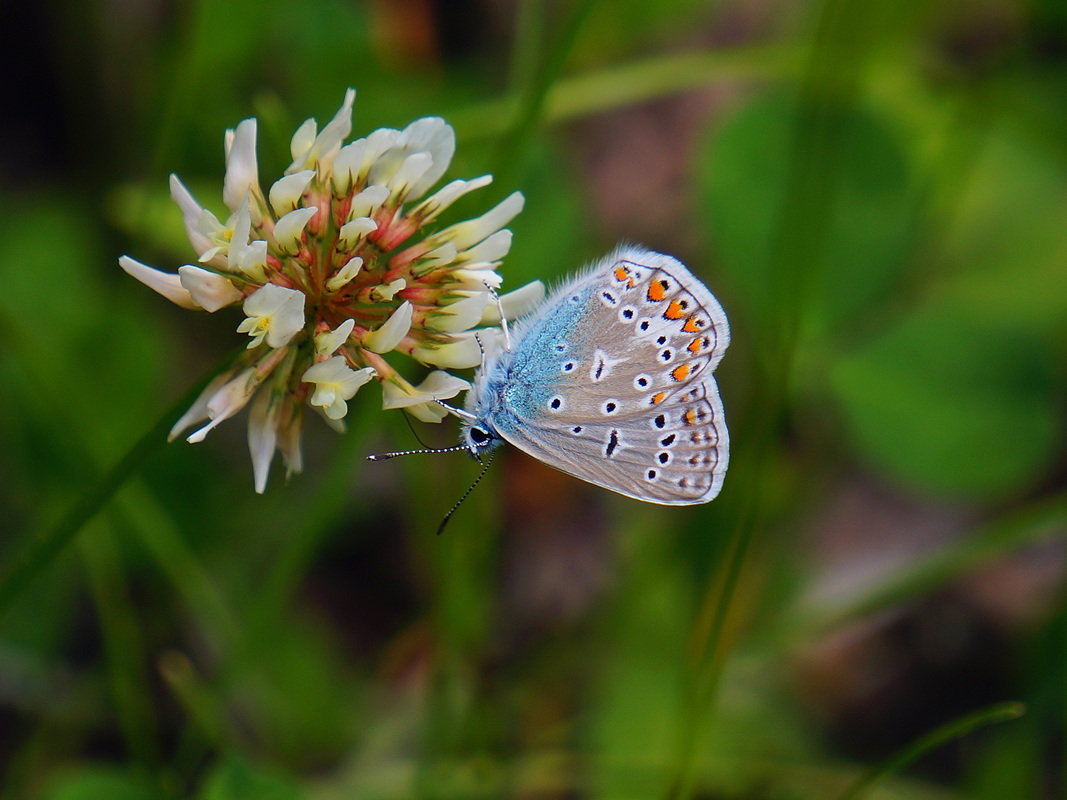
column 610, row 380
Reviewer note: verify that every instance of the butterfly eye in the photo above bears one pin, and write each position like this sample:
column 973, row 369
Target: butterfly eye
column 478, row 436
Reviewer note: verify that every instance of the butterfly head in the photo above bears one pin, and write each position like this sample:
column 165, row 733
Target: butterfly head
column 479, row 438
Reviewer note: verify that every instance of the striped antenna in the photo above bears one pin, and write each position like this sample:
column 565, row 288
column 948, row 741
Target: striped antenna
column 421, row 451
column 466, row 494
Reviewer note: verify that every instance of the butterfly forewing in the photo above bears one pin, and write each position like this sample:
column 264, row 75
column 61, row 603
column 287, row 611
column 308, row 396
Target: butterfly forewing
column 612, row 381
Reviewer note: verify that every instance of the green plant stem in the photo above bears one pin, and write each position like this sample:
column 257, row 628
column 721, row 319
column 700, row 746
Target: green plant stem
column 123, row 644
column 626, row 84
column 528, row 38
column 1039, row 520
column 1001, row 712
column 516, row 144
column 42, row 549
column 830, row 79
column 199, row 701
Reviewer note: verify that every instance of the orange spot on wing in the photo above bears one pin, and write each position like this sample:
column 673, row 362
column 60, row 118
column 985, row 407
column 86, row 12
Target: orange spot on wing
column 658, row 398
column 674, row 310
column 621, row 273
column 696, row 345
column 690, row 416
column 657, row 290
column 681, row 372
column 693, row 325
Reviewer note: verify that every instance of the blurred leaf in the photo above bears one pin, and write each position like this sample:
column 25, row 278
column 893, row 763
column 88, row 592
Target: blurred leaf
column 76, row 337
column 235, row 779
column 1007, row 245
column 949, row 401
column 97, row 782
column 299, row 691
column 743, row 174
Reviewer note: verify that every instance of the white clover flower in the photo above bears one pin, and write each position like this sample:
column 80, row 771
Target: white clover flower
column 337, row 266
column 335, row 382
column 275, row 314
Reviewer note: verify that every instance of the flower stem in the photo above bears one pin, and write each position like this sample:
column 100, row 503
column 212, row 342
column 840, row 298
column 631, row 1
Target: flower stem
column 1001, row 712
column 42, row 549
column 617, row 86
column 514, row 147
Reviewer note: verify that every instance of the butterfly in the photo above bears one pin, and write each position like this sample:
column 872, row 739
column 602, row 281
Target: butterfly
column 611, row 380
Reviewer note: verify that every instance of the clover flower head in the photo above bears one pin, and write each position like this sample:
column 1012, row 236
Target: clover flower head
column 339, row 263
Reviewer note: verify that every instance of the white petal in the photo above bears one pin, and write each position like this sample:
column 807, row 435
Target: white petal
column 241, row 227
column 242, row 172
column 385, row 166
column 288, row 321
column 198, row 410
column 166, row 283
column 335, row 382
column 464, row 351
column 429, row 208
column 262, row 437
column 301, row 143
column 266, row 300
column 336, row 131
column 354, row 230
column 290, row 228
column 493, row 248
column 287, row 192
column 326, row 343
column 345, row 274
column 211, row 231
column 378, row 144
column 438, row 257
column 468, row 233
column 387, row 291
column 253, row 260
column 227, row 401
column 323, row 148
column 355, row 379
column 284, row 309
column 289, row 444
column 410, row 174
column 209, row 290
column 438, row 385
column 476, row 276
column 516, row 303
column 434, row 136
column 427, row 411
column 368, row 201
column 328, row 371
column 459, row 315
column 191, row 215
column 346, row 166
column 394, row 329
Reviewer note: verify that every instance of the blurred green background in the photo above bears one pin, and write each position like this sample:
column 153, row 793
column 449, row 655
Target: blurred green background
column 877, row 192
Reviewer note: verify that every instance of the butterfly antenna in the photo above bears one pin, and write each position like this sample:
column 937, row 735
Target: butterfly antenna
column 503, row 319
column 422, row 451
column 466, row 494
